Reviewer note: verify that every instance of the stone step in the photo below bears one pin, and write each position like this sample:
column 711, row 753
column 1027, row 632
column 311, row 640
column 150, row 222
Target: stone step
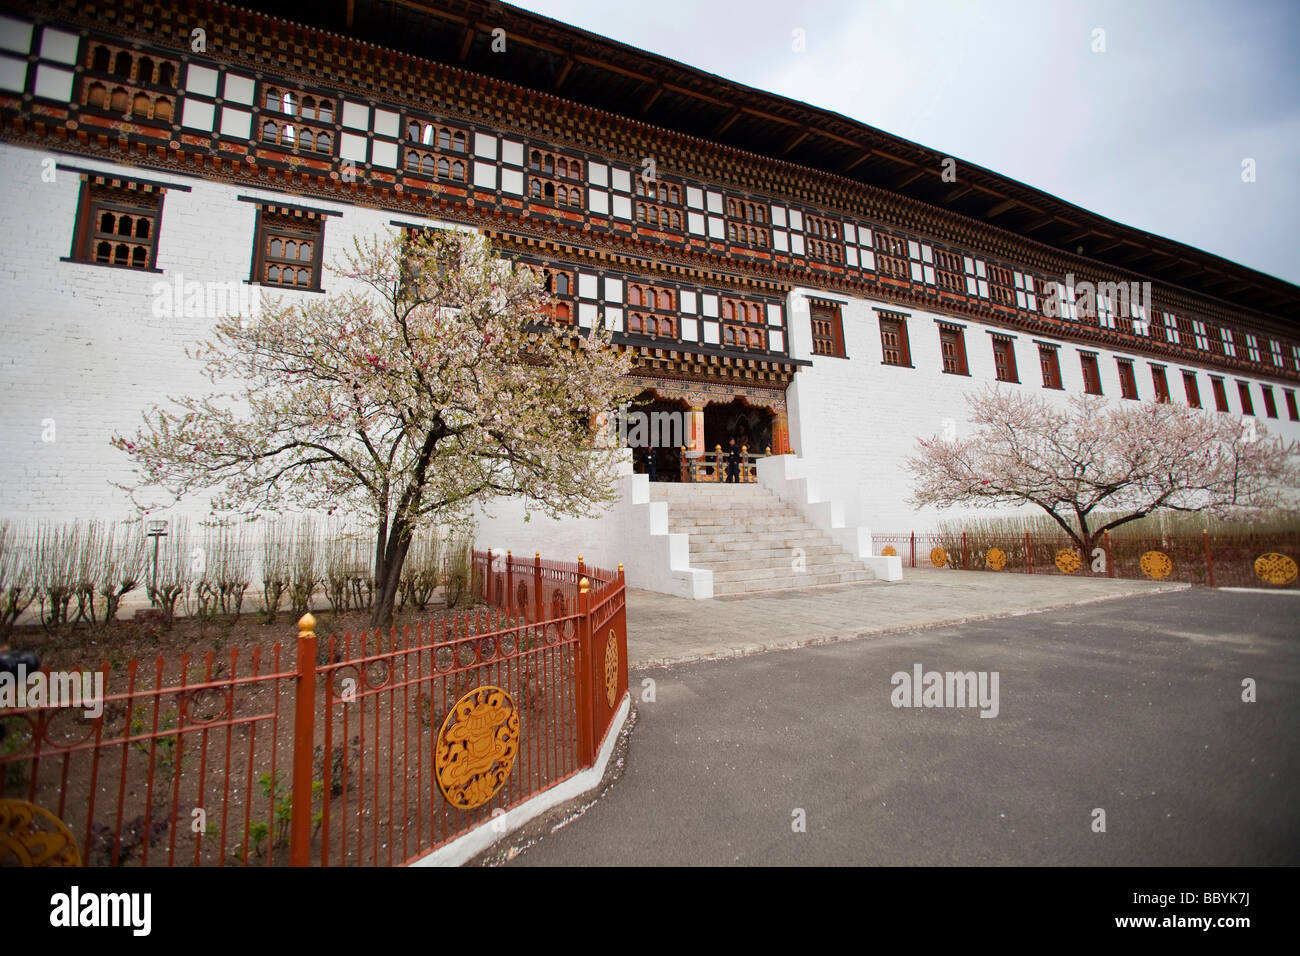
column 735, row 493
column 782, row 571
column 747, row 537
column 748, row 525
column 819, row 552
column 774, row 539
column 783, row 564
column 721, row 589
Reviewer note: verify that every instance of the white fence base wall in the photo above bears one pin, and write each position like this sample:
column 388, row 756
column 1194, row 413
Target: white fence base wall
column 465, row 848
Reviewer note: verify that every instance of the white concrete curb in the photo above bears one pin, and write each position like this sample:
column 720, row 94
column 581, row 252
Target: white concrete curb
column 465, row 848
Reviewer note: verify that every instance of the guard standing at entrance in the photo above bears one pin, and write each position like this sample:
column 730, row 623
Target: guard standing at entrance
column 733, row 462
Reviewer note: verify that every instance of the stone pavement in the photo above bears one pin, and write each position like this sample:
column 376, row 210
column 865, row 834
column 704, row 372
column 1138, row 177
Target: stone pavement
column 667, row 630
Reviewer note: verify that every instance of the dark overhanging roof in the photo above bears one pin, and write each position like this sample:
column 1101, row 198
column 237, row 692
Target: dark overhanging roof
column 559, row 59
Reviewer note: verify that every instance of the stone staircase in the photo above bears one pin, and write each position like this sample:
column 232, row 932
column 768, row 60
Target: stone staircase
column 746, row 536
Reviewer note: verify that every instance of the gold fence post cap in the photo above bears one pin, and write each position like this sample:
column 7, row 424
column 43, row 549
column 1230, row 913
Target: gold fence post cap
column 306, row 624
column 584, row 585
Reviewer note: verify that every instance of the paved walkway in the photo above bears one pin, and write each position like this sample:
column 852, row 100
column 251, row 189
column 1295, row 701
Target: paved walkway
column 669, row 630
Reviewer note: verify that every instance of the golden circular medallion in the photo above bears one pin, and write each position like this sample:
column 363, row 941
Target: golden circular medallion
column 1156, row 564
column 611, row 667
column 1274, row 568
column 888, row 551
column 1067, row 561
column 996, row 558
column 32, row 836
column 477, row 746
column 938, row 557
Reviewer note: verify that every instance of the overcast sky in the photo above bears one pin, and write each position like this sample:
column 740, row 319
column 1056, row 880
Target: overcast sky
column 1152, row 132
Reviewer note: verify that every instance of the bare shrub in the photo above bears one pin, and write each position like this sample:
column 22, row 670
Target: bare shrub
column 420, row 572
column 56, row 568
column 277, row 548
column 17, row 583
column 304, row 567
column 119, row 568
column 456, row 567
column 174, row 575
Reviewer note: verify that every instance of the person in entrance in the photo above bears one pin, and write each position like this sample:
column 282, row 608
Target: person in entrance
column 733, row 462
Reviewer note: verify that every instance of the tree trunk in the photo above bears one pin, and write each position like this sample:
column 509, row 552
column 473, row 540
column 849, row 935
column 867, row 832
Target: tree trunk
column 390, row 574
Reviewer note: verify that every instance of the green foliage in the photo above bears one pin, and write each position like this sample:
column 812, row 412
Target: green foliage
column 277, row 828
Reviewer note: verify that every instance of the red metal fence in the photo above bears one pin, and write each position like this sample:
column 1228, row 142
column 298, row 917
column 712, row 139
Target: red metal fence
column 1223, row 559
column 397, row 742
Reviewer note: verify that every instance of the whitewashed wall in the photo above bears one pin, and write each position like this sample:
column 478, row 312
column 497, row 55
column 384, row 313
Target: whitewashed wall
column 82, row 345
column 856, row 419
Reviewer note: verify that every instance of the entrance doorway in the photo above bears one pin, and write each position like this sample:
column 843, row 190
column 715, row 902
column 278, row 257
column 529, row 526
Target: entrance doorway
column 656, row 430
column 750, row 425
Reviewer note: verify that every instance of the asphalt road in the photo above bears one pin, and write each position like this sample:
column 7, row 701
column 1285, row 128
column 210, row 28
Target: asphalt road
column 1133, row 706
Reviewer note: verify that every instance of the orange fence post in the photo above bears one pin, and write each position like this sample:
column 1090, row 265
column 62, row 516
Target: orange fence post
column 1209, row 559
column 582, row 674
column 537, row 585
column 963, row 551
column 304, row 739
column 1110, row 563
column 510, row 590
column 487, row 578
column 913, row 549
column 1029, row 555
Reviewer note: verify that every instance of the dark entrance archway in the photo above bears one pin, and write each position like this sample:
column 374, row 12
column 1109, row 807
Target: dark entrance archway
column 656, row 440
column 750, row 425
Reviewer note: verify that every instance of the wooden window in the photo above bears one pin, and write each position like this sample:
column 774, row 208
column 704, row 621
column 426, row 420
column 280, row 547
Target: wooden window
column 823, row 250
column 1004, row 359
column 1050, row 362
column 949, row 273
column 1001, row 289
column 1192, row 389
column 826, row 229
column 893, row 341
column 748, row 211
column 559, row 285
column 138, row 86
column 827, row 330
column 1270, row 405
column 1215, row 342
column 294, row 120
column 555, row 164
column 1160, row 383
column 1128, row 386
column 643, row 301
column 1091, row 373
column 288, row 250
column 891, row 256
column 1243, row 392
column 659, row 192
column 660, row 217
column 1292, row 412
column 117, row 225
column 1220, row 394
column 748, row 235
column 952, row 345
column 549, row 178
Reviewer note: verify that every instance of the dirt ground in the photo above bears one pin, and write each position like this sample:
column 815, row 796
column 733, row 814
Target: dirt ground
column 146, row 636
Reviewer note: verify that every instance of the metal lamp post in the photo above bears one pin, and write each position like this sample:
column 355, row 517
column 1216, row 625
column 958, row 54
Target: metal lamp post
column 157, row 529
